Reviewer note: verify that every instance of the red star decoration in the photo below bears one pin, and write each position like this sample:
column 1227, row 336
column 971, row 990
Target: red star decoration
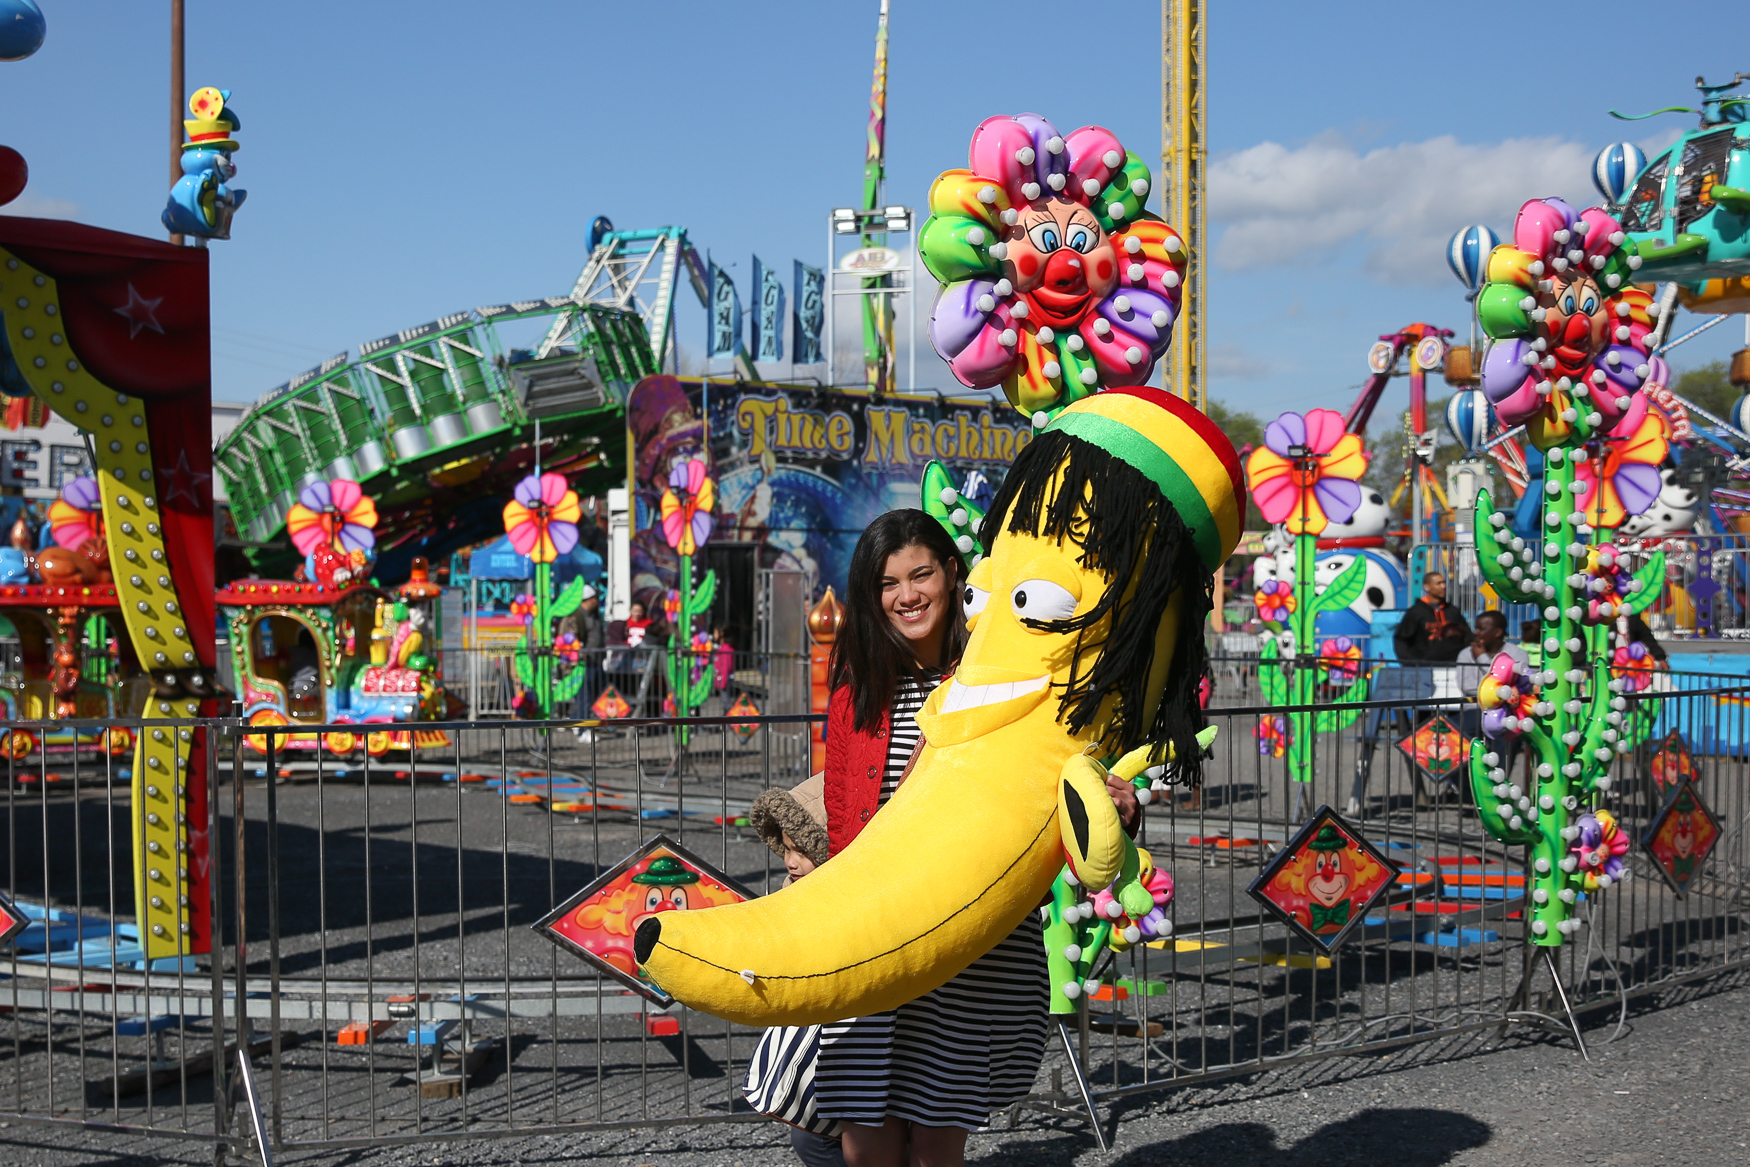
column 181, row 481
column 138, row 312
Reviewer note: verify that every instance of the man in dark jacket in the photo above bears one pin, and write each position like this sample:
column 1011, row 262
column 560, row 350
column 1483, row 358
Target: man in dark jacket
column 1432, row 630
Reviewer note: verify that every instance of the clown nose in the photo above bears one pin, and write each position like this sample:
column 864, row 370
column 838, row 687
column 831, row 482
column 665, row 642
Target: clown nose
column 1064, row 271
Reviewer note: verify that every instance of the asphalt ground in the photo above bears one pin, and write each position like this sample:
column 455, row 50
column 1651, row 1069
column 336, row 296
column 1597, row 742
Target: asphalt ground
column 1669, row 1090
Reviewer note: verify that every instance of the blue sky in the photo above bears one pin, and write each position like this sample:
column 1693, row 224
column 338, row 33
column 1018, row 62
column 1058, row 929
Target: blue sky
column 407, row 160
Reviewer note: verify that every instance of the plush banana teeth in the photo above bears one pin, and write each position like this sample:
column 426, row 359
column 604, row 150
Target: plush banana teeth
column 973, row 696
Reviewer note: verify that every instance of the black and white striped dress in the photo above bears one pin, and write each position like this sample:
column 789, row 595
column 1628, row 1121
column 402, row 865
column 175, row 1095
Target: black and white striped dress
column 954, row 1055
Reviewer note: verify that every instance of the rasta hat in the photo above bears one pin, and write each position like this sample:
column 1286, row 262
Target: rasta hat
column 665, row 870
column 1150, row 491
column 1174, row 445
column 1329, row 838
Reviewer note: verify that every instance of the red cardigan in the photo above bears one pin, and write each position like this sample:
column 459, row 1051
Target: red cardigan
column 854, row 765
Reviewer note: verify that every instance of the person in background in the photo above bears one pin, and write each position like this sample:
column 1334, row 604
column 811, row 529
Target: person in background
column 592, row 638
column 1531, row 640
column 1432, row 630
column 1486, row 643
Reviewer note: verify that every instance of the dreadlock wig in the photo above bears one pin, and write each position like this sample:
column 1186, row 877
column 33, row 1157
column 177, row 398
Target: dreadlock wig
column 1063, row 486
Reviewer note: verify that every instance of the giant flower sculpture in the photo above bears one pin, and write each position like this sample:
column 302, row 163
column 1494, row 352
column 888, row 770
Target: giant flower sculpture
column 336, row 514
column 1304, row 475
column 77, row 516
column 1569, row 331
column 686, row 506
column 541, row 518
column 1056, row 281
column 1624, row 479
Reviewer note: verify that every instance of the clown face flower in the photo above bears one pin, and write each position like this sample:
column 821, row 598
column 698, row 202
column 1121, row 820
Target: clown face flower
column 1508, row 697
column 1624, row 479
column 523, row 607
column 542, row 519
column 686, row 506
column 1055, row 284
column 1569, row 332
column 77, row 516
column 337, row 514
column 1599, row 849
column 1304, row 475
column 1608, row 583
column 1275, row 601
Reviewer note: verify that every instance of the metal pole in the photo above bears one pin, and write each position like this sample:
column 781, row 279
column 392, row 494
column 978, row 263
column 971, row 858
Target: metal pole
column 831, row 307
column 176, row 99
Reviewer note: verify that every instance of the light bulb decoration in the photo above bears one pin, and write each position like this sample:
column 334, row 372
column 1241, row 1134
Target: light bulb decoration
column 541, row 522
column 1056, row 280
column 1305, row 477
column 1567, row 359
column 688, row 517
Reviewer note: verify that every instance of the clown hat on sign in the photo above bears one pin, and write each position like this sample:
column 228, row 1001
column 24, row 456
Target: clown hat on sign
column 1150, row 490
column 213, row 122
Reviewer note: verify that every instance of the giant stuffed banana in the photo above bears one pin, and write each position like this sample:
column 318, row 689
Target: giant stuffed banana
column 1086, row 641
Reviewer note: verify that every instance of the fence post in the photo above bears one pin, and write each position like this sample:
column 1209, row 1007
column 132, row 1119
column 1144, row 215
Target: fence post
column 216, row 930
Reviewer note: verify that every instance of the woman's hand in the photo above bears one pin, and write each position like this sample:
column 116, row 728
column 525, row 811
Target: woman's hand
column 1124, row 800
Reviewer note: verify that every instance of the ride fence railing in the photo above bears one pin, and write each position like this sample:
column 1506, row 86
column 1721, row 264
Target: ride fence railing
column 485, row 679
column 374, row 949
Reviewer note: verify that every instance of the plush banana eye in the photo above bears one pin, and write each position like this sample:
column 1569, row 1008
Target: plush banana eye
column 972, row 600
column 1040, row 599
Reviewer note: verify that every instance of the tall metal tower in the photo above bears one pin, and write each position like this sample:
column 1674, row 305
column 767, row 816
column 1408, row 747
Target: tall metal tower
column 1184, row 133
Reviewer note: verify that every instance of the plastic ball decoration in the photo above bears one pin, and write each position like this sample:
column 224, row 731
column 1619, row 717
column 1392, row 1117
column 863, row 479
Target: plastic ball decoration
column 14, row 174
column 1056, row 281
column 1469, row 419
column 1615, row 169
column 1598, row 849
column 1467, row 254
column 1508, row 697
column 1568, row 330
column 22, row 29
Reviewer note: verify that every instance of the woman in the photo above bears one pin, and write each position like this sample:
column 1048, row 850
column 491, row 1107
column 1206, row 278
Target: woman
column 927, row 1073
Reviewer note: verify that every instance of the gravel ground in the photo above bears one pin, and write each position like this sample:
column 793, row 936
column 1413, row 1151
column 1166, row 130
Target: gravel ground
column 1672, row 1086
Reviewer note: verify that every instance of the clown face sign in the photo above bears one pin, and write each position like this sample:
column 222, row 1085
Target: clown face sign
column 1324, row 882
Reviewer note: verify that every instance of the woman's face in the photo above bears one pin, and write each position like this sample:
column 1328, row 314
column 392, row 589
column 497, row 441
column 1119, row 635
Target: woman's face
column 914, row 593
column 637, row 612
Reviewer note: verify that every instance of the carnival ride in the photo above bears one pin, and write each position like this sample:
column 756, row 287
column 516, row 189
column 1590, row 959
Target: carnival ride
column 439, row 421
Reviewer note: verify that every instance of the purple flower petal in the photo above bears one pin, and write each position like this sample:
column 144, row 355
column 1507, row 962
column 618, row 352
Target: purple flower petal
column 1340, row 498
column 355, row 537
column 1637, row 485
column 1504, row 369
column 1285, row 432
column 955, row 320
column 528, row 491
column 678, row 474
column 316, row 497
column 563, row 534
column 702, row 524
column 82, row 492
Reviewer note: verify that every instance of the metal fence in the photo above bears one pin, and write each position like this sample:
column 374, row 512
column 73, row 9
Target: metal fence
column 376, row 960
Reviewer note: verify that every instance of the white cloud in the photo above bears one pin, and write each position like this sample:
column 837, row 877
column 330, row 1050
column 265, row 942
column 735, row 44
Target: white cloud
column 1278, row 204
column 1231, row 362
column 32, row 207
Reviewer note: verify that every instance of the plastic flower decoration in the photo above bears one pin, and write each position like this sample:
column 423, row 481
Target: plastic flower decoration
column 1056, row 280
column 1340, row 657
column 1569, row 330
column 1275, row 601
column 541, row 519
column 337, row 514
column 1508, row 697
column 1608, row 583
column 686, row 506
column 1153, row 925
column 77, row 516
column 567, row 647
column 1272, row 735
column 1633, row 665
column 523, row 607
column 1304, row 475
column 1624, row 479
column 1599, row 850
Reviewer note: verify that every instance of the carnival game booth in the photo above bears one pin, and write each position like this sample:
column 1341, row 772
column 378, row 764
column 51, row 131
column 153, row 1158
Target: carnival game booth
column 338, row 654
column 69, row 661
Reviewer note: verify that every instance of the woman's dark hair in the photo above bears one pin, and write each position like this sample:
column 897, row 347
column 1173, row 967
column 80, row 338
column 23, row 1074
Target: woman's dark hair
column 869, row 655
column 1137, row 540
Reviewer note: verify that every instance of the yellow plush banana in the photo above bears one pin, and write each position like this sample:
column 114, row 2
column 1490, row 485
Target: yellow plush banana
column 970, row 844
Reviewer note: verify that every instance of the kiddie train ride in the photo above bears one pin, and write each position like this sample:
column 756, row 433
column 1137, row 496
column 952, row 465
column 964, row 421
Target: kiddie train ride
column 332, row 647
